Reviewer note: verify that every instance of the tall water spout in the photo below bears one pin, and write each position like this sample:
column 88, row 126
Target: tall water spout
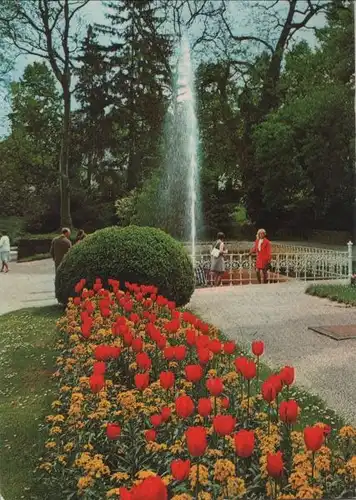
column 181, row 183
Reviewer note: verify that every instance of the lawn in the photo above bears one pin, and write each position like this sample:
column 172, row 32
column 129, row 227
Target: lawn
column 345, row 294
column 27, row 360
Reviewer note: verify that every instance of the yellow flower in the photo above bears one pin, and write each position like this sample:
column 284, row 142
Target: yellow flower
column 68, row 447
column 47, row 466
column 120, row 476
column 223, row 469
column 177, row 448
column 115, row 492
column 351, row 467
column 235, row 487
column 65, row 388
column 214, row 453
column 85, row 482
column 55, row 430
column 183, row 496
column 167, row 479
column 133, row 366
column 204, row 495
column 154, row 447
column 56, row 404
column 310, row 492
column 203, row 475
column 62, row 459
column 51, row 444
column 348, row 432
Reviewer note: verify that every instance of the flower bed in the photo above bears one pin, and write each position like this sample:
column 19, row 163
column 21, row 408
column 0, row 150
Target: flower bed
column 153, row 405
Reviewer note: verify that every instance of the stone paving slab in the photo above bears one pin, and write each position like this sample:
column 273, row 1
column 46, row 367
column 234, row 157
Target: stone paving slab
column 280, row 314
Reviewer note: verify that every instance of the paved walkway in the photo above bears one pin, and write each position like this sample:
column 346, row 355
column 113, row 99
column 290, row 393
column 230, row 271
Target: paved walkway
column 30, row 284
column 280, row 314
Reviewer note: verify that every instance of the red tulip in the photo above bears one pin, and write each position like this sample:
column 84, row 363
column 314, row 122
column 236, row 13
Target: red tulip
column 166, row 380
column 196, row 441
column 150, row 435
column 275, row 464
column 287, row 375
column 229, row 347
column 203, row 355
column 168, row 353
column 240, row 364
column 180, row 352
column 156, row 420
column 99, row 368
column 244, row 443
column 215, row 346
column 152, row 488
column 137, row 344
column 184, row 406
column 124, row 494
column 258, row 347
column 193, row 373
column 190, row 337
column 225, row 403
column 276, row 381
column 143, row 361
column 202, row 341
column 269, row 392
column 142, row 380
column 180, row 469
column 224, row 424
column 288, row 411
column 314, row 438
column 165, row 413
column 96, row 383
column 113, row 431
column 204, row 407
column 215, row 386
column 249, row 370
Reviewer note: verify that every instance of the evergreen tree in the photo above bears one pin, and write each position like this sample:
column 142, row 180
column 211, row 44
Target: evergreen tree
column 140, row 76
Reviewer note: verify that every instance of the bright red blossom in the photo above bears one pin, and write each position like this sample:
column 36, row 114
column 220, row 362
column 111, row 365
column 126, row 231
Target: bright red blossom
column 113, row 431
column 288, row 411
column 193, row 373
column 215, row 386
column 204, row 407
column 314, row 438
column 275, row 464
column 166, row 380
column 196, row 441
column 258, row 347
column 180, row 469
column 184, row 406
column 224, row 424
column 244, row 443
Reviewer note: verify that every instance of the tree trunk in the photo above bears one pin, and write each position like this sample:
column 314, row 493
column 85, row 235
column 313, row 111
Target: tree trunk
column 64, row 184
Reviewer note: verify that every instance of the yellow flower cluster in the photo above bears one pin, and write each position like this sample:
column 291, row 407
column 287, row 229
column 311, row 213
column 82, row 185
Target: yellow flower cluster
column 203, row 476
column 223, row 469
column 235, row 487
column 92, row 465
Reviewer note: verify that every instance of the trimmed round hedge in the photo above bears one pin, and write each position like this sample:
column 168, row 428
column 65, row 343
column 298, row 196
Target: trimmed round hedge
column 143, row 255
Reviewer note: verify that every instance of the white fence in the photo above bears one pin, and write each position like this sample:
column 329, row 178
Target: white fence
column 288, row 262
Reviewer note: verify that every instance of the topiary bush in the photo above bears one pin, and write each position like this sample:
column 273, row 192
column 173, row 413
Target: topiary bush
column 143, row 255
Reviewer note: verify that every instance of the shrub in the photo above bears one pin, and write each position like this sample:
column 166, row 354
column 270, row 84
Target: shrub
column 138, row 254
column 143, row 394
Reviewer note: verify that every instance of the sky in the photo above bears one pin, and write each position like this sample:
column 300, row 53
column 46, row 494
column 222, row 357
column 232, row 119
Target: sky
column 93, row 12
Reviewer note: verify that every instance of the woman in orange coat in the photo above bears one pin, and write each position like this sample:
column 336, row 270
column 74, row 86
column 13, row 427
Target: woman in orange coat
column 262, row 249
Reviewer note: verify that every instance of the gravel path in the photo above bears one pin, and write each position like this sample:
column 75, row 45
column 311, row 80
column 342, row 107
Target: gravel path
column 280, row 315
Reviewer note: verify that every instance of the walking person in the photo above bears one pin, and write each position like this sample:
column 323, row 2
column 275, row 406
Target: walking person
column 262, row 249
column 4, row 251
column 60, row 246
column 217, row 259
column 80, row 236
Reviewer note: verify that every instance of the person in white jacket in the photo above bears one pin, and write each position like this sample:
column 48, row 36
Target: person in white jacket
column 4, row 251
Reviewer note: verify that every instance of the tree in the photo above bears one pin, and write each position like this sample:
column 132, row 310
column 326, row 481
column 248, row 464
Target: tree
column 140, row 74
column 49, row 30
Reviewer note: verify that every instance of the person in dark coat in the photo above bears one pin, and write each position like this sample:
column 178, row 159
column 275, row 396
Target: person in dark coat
column 60, row 246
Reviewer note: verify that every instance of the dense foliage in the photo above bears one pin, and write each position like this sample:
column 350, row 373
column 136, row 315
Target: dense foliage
column 275, row 113
column 145, row 254
column 154, row 405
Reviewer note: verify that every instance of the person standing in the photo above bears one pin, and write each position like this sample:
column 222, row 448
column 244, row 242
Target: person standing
column 60, row 246
column 217, row 259
column 262, row 249
column 80, row 236
column 4, row 252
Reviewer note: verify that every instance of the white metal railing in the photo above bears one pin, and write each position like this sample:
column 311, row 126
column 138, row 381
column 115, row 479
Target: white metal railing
column 288, row 262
